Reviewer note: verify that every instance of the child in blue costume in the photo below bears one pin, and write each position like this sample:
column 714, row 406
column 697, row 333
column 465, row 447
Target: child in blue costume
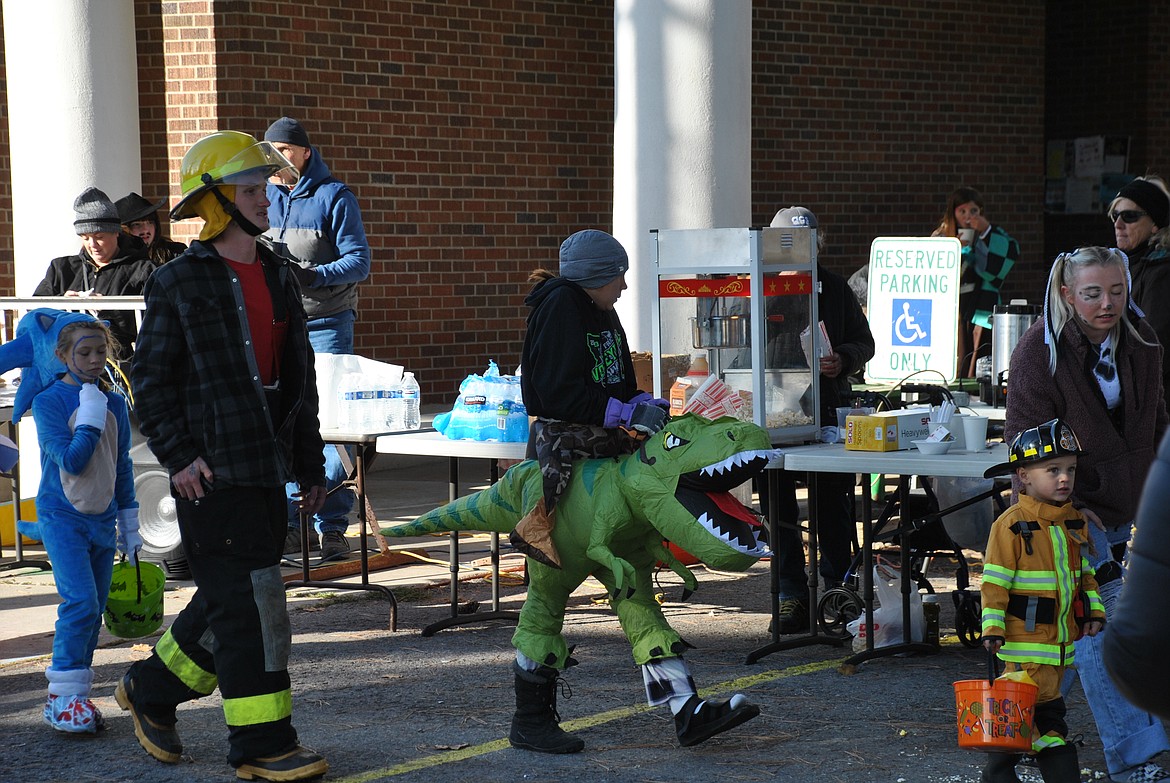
column 85, row 502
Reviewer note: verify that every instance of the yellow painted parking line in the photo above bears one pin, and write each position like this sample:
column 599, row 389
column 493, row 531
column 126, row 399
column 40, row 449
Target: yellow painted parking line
column 451, row 756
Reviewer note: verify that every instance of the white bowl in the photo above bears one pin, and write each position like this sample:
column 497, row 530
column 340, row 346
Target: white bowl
column 934, row 448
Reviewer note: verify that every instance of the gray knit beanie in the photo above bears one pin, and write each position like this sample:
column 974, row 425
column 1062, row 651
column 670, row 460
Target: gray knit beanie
column 286, row 130
column 94, row 213
column 592, row 258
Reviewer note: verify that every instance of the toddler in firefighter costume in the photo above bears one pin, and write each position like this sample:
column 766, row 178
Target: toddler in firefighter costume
column 1033, row 573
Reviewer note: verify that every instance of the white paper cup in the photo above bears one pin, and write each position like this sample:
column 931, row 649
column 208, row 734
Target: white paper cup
column 975, row 432
column 957, row 431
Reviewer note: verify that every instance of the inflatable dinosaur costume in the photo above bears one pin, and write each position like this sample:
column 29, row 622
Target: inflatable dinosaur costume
column 611, row 524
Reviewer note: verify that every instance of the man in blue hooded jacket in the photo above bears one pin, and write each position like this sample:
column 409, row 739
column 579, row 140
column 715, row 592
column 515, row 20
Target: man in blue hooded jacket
column 318, row 225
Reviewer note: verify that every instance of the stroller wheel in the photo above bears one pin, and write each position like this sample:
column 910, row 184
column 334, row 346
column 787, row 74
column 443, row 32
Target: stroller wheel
column 968, row 617
column 837, row 608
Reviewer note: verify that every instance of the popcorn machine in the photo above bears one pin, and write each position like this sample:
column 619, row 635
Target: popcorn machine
column 741, row 301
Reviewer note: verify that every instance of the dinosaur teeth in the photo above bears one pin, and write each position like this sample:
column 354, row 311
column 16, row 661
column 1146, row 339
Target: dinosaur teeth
column 759, row 550
column 737, row 460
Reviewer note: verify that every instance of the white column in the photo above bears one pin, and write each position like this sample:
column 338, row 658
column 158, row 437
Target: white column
column 682, row 135
column 72, row 119
column 72, row 122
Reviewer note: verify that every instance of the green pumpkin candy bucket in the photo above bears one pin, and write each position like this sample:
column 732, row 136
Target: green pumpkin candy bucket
column 135, row 605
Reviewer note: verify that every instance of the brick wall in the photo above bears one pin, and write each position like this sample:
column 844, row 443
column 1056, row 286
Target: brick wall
column 1107, row 65
column 477, row 135
column 7, row 250
column 870, row 114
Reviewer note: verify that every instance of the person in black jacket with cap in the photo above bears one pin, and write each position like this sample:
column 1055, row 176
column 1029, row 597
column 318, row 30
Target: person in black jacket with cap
column 852, row 345
column 110, row 263
column 1141, row 229
column 140, row 218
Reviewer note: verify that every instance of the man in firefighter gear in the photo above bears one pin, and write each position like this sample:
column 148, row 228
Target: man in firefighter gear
column 227, row 397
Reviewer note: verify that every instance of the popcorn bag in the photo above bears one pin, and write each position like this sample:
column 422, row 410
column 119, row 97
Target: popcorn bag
column 714, row 398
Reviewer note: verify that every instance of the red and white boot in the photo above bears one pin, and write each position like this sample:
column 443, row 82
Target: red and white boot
column 68, row 707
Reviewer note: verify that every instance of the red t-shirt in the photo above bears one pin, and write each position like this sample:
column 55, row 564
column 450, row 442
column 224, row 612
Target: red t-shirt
column 268, row 335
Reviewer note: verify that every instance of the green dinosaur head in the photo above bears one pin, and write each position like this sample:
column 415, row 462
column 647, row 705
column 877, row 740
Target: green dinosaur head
column 682, row 477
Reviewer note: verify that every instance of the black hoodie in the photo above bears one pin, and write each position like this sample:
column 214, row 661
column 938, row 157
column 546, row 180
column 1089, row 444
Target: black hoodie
column 575, row 355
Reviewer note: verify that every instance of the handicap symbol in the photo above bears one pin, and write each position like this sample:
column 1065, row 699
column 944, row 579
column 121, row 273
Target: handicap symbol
column 908, row 329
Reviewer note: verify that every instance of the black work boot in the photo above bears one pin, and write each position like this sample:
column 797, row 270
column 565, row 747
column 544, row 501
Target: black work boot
column 1059, row 764
column 1001, row 768
column 536, row 724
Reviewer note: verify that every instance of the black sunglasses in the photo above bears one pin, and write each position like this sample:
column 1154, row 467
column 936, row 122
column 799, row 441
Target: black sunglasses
column 1127, row 215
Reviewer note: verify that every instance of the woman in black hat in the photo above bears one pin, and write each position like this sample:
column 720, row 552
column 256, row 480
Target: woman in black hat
column 1141, row 226
column 140, row 218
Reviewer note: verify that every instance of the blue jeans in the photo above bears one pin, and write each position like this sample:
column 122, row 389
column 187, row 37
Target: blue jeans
column 82, row 553
column 1129, row 736
column 331, row 334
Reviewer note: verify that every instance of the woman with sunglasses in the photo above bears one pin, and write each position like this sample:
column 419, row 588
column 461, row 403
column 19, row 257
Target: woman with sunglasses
column 989, row 253
column 1141, row 224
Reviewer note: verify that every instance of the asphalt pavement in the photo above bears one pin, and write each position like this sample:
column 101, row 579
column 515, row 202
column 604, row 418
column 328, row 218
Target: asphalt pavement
column 400, row 706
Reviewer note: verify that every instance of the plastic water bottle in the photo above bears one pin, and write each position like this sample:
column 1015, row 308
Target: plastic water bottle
column 410, row 402
column 367, row 407
column 393, row 411
column 348, row 412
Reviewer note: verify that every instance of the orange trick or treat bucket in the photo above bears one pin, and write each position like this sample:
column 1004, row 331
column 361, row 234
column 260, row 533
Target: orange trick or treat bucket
column 995, row 715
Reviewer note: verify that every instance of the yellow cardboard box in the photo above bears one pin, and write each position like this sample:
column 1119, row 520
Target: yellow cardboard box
column 886, row 430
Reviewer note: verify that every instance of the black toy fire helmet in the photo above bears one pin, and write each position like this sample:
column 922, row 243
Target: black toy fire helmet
column 1050, row 439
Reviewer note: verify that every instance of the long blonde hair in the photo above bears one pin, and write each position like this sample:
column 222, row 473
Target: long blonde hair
column 1064, row 272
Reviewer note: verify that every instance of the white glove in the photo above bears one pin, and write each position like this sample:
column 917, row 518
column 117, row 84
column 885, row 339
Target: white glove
column 91, row 409
column 129, row 540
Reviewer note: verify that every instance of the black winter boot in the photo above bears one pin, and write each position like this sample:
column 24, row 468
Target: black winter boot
column 535, row 725
column 1059, row 764
column 1001, row 768
column 699, row 721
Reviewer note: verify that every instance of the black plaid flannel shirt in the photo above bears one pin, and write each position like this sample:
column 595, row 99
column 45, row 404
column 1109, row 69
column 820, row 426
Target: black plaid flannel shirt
column 197, row 389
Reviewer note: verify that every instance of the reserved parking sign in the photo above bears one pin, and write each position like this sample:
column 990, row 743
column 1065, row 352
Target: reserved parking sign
column 914, row 288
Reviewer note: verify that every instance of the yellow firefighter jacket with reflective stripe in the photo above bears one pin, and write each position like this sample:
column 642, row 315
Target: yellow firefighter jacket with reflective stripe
column 1032, row 574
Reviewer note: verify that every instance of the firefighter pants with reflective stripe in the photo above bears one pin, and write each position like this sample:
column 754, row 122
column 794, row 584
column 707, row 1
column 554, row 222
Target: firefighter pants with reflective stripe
column 235, row 631
column 1049, row 723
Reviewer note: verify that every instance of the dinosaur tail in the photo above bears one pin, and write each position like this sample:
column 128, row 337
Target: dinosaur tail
column 497, row 508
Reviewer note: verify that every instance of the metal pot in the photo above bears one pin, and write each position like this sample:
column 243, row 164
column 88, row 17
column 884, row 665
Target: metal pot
column 721, row 331
column 1008, row 324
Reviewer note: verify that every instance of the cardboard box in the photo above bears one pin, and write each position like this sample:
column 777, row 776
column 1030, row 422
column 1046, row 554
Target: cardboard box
column 673, row 366
column 886, row 430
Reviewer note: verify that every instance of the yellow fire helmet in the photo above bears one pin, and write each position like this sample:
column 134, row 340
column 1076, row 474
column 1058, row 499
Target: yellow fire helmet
column 227, row 158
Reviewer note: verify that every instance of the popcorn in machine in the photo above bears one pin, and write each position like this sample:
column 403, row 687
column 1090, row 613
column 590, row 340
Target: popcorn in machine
column 738, row 305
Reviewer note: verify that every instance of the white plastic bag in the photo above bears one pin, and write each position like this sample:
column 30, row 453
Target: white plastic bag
column 887, row 616
column 968, row 527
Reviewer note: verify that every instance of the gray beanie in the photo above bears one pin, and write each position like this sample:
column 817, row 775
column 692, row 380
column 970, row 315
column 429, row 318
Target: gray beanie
column 94, row 213
column 286, row 130
column 592, row 258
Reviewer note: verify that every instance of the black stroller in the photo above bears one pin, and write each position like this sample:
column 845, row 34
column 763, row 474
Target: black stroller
column 921, row 538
